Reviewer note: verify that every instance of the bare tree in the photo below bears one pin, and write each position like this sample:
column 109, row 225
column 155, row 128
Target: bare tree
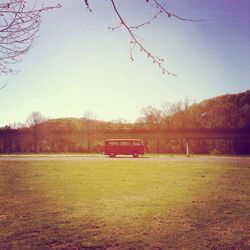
column 151, row 117
column 135, row 40
column 34, row 119
column 88, row 124
column 19, row 23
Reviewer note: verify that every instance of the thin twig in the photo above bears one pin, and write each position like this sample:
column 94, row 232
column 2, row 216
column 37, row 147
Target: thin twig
column 158, row 61
column 3, row 86
column 162, row 7
column 147, row 22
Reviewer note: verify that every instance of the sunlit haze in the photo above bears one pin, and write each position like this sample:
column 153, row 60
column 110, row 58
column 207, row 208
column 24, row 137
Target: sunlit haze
column 80, row 65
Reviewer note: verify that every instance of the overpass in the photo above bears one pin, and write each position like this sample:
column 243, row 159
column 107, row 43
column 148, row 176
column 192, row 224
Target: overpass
column 9, row 136
column 202, row 133
column 186, row 134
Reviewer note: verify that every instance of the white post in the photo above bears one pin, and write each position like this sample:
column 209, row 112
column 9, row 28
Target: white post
column 187, row 148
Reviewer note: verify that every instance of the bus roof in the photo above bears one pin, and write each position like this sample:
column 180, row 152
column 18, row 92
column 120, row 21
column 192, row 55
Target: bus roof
column 122, row 139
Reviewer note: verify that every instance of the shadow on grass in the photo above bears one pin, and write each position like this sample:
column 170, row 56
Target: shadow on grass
column 217, row 218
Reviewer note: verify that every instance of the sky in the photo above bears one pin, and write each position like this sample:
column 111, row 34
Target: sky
column 78, row 65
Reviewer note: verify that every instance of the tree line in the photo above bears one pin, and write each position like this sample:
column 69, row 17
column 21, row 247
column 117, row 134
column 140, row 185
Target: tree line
column 39, row 134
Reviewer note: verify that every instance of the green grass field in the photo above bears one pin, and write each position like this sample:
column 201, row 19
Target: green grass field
column 124, row 204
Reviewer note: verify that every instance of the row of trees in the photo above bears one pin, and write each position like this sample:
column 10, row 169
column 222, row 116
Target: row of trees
column 228, row 111
column 78, row 135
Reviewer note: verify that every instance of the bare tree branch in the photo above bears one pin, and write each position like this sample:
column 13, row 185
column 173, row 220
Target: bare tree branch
column 3, row 86
column 148, row 21
column 162, row 7
column 19, row 24
column 135, row 42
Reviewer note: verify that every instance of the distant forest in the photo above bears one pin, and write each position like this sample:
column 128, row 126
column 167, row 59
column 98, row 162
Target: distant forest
column 78, row 134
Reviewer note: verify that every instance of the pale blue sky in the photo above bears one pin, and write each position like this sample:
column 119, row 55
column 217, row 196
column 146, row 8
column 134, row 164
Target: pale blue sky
column 79, row 65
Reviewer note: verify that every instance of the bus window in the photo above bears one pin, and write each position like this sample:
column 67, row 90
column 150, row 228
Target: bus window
column 113, row 143
column 136, row 143
column 124, row 143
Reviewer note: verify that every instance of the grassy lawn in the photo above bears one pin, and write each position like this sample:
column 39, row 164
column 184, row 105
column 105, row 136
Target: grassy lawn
column 124, row 204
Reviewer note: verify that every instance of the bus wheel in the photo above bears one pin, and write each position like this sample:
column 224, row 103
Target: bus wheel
column 135, row 155
column 111, row 155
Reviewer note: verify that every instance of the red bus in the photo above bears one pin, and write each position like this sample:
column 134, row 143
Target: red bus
column 113, row 147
